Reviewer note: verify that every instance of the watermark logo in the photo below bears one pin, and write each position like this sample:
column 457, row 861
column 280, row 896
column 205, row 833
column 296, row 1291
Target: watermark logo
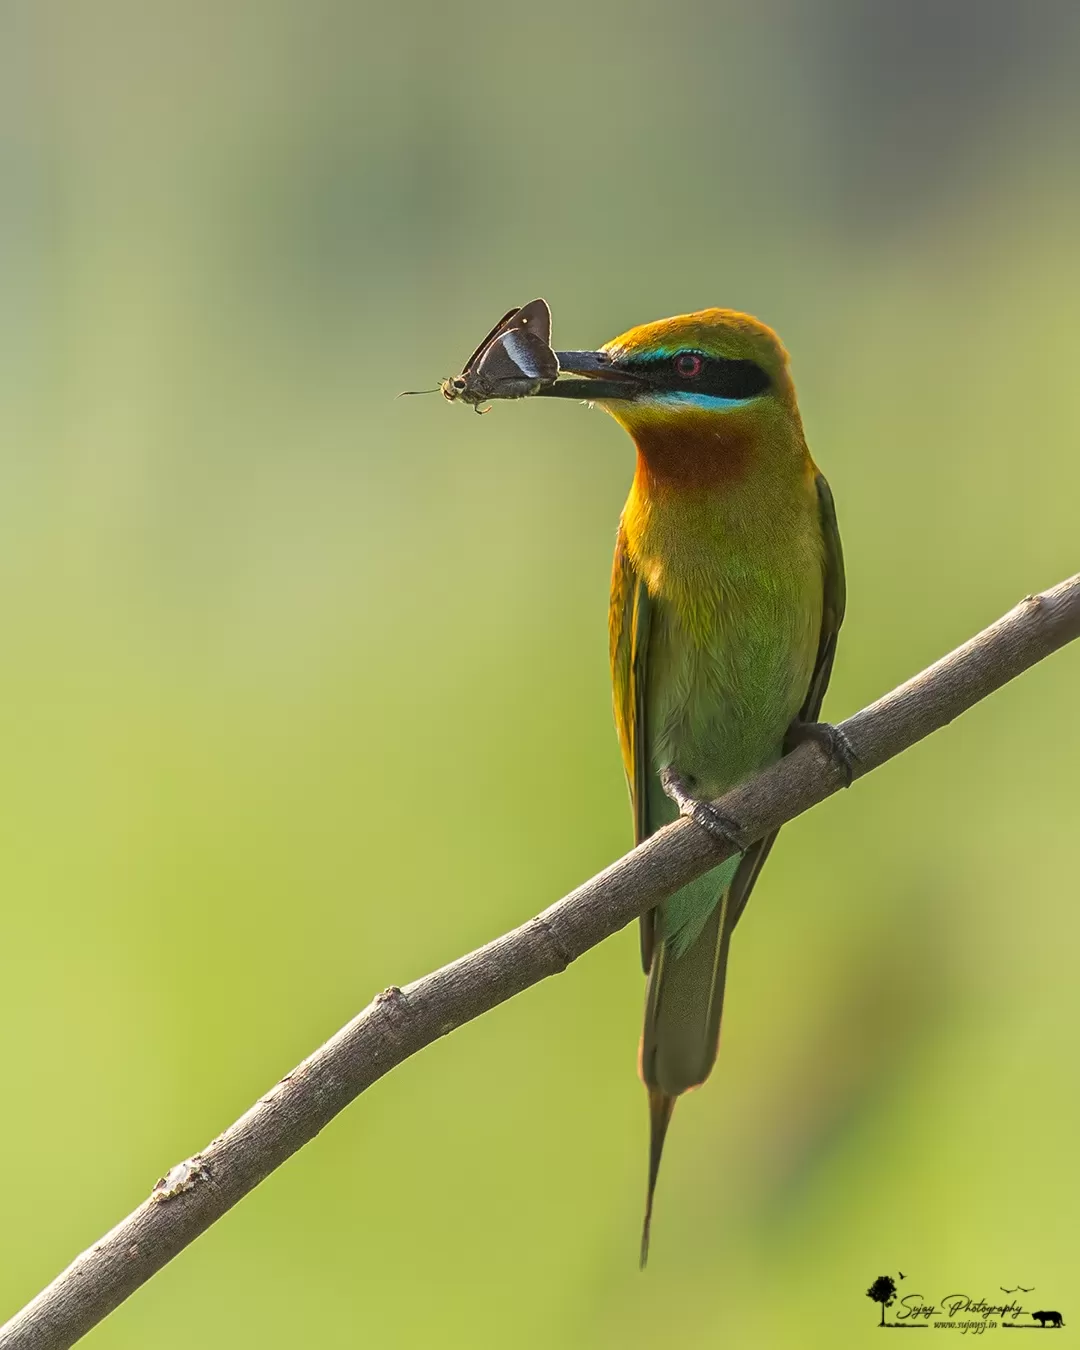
column 957, row 1312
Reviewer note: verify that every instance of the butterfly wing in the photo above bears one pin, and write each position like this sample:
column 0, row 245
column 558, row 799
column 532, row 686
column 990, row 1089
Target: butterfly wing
column 535, row 317
column 472, row 361
column 518, row 353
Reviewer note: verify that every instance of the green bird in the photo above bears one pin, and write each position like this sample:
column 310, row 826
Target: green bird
column 726, row 599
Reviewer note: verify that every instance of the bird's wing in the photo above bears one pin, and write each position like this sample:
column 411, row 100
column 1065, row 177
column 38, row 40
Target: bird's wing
column 628, row 631
column 832, row 616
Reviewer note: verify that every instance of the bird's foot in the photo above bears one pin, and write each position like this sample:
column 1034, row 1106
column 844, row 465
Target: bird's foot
column 832, row 740
column 703, row 813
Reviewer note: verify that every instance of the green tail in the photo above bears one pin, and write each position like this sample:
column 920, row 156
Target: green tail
column 683, row 1002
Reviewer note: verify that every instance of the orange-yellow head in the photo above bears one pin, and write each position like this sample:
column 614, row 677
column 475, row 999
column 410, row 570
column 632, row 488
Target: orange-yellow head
column 704, row 395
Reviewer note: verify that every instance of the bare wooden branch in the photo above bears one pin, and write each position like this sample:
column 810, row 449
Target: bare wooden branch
column 399, row 1022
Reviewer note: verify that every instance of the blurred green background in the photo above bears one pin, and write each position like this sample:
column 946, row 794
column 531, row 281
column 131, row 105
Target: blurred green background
column 263, row 623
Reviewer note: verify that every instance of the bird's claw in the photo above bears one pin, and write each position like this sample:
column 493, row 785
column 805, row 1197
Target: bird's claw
column 721, row 827
column 702, row 813
column 832, row 740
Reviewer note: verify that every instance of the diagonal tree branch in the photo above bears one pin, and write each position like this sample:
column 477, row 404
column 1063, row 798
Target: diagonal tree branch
column 399, row 1022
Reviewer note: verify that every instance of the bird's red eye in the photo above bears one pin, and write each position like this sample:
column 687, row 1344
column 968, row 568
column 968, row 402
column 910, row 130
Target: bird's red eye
column 688, row 365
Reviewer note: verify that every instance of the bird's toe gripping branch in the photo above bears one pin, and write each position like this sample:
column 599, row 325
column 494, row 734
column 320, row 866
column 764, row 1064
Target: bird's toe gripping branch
column 832, row 740
column 702, row 813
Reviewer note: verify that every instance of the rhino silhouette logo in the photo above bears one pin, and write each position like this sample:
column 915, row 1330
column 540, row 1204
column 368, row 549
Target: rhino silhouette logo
column 1054, row 1318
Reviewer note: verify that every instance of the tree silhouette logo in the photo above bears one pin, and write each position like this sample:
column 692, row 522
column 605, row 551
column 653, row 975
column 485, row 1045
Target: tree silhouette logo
column 958, row 1310
column 882, row 1291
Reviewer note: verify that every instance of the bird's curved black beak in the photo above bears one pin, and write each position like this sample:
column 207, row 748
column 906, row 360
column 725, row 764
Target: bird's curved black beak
column 603, row 378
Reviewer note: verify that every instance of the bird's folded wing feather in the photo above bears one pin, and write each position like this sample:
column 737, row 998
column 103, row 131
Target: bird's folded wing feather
column 628, row 630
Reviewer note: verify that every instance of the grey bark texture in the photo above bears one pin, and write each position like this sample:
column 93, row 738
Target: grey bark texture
column 399, row 1022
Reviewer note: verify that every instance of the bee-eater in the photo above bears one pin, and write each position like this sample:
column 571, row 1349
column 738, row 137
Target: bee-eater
column 727, row 595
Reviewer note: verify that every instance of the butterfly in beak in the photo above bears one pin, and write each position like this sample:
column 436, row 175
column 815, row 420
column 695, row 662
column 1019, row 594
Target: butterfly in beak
column 513, row 361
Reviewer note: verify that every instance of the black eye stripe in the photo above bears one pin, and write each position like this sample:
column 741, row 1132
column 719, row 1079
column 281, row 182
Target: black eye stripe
column 720, row 376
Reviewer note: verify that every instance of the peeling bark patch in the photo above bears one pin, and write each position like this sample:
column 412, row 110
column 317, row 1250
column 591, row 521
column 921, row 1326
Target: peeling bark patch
column 185, row 1176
